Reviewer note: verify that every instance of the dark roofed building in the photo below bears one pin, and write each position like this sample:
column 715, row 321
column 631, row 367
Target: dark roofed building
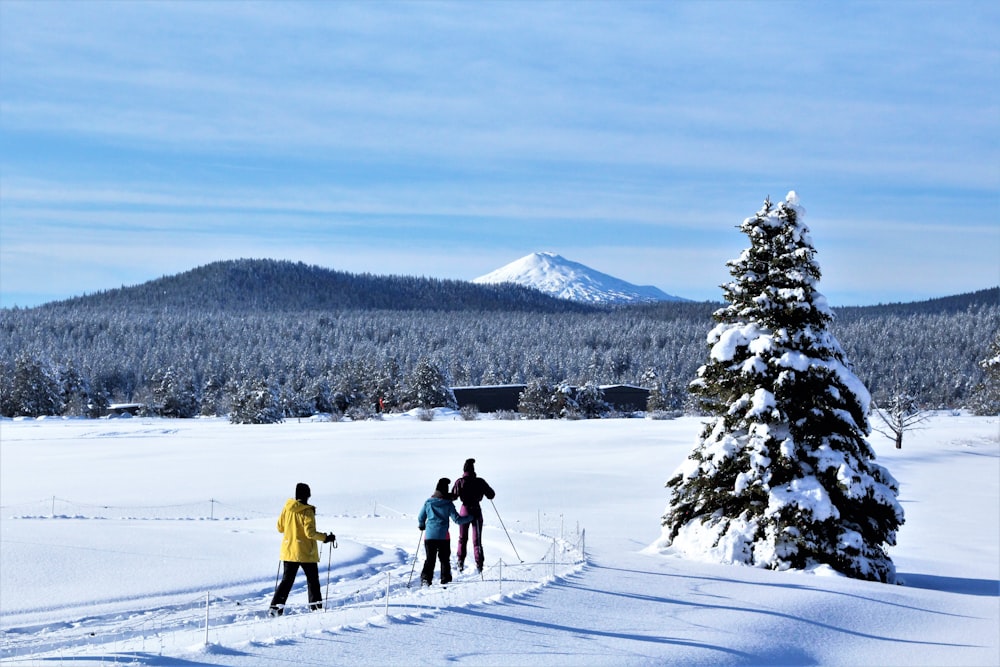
column 494, row 398
column 489, row 398
column 625, row 397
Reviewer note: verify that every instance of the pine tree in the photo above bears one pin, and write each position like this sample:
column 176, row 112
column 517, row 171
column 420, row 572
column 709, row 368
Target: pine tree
column 8, row 407
column 563, row 401
column 656, row 401
column 385, row 385
column 783, row 476
column 535, row 402
column 590, row 401
column 986, row 399
column 97, row 401
column 35, row 390
column 213, row 397
column 73, row 387
column 427, row 387
column 175, row 394
column 319, row 395
column 255, row 401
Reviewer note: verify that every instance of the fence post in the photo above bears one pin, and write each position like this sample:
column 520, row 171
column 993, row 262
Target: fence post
column 208, row 602
column 388, row 580
column 554, row 549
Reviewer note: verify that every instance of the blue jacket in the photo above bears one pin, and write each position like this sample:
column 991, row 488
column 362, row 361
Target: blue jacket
column 434, row 515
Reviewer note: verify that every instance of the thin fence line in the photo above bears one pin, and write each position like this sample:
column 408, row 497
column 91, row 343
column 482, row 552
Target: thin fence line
column 59, row 506
column 56, row 506
column 174, row 625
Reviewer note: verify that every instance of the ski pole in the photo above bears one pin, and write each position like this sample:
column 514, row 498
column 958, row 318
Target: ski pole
column 415, row 553
column 276, row 574
column 505, row 530
column 329, row 560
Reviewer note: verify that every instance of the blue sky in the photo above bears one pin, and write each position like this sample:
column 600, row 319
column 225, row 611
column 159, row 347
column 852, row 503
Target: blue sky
column 144, row 139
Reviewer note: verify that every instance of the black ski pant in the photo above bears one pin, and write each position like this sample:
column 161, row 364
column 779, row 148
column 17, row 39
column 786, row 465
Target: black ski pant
column 288, row 579
column 436, row 550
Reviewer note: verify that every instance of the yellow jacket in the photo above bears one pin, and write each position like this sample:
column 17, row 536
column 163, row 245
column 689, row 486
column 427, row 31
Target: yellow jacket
column 298, row 523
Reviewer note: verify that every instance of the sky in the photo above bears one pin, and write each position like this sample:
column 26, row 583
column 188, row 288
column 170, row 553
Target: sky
column 442, row 139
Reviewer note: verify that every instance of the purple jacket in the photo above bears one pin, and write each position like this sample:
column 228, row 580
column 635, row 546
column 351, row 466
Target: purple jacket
column 470, row 489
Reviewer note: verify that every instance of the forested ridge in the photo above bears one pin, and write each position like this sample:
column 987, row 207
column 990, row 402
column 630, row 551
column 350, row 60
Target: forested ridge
column 269, row 286
column 313, row 334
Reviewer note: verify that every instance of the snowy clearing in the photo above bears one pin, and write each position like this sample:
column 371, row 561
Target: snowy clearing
column 115, row 534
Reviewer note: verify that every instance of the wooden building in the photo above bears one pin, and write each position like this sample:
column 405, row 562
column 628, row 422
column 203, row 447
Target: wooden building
column 504, row 397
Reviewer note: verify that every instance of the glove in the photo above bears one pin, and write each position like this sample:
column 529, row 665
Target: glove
column 330, row 538
column 420, row 527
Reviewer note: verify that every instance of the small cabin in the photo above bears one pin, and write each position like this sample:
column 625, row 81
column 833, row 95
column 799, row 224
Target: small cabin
column 490, row 398
column 122, row 409
column 504, row 397
column 625, row 397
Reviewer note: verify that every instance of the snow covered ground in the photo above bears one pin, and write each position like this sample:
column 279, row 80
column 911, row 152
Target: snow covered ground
column 152, row 542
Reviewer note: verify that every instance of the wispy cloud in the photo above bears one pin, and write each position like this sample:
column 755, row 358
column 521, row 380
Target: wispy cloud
column 498, row 125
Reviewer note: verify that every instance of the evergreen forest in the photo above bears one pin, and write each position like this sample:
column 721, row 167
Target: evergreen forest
column 316, row 340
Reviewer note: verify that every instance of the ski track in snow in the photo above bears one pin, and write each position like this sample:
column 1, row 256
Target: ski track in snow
column 355, row 592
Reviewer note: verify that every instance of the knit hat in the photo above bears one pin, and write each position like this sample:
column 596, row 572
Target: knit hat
column 442, row 486
column 302, row 492
column 470, row 465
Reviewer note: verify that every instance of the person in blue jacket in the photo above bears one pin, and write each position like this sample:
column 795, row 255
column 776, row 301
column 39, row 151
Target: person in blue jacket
column 433, row 520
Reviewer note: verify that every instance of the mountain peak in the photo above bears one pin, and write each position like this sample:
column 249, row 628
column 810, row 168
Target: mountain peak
column 553, row 274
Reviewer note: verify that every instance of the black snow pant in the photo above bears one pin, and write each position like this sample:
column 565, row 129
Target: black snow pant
column 436, row 550
column 477, row 538
column 312, row 583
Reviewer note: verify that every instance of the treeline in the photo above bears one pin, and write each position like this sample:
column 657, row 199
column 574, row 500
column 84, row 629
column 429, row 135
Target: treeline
column 198, row 342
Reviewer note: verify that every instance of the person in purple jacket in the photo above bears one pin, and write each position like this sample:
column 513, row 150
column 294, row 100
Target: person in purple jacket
column 470, row 489
column 433, row 520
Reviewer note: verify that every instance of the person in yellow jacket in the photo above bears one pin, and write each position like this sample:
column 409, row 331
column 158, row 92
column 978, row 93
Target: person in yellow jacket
column 298, row 549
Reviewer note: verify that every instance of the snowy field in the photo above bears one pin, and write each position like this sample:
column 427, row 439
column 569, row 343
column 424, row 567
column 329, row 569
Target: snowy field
column 152, row 542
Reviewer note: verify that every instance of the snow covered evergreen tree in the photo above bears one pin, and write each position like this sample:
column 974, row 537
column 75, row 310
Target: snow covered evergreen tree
column 213, row 399
column 348, row 387
column 255, row 401
column 535, row 402
column 385, row 384
column 986, row 399
column 319, row 395
column 590, row 401
column 7, row 406
column 428, row 387
column 175, row 394
column 563, row 401
column 656, row 401
column 35, row 390
column 783, row 477
column 296, row 401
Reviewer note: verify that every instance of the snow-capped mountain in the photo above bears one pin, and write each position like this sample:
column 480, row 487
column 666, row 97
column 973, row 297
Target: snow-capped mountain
column 560, row 277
